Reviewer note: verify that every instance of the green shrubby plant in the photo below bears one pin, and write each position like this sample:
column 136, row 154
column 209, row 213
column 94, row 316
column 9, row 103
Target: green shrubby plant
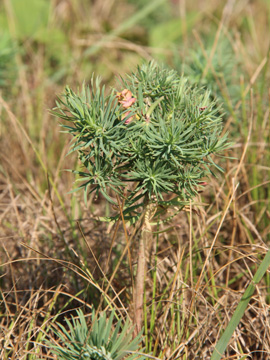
column 155, row 138
column 100, row 341
column 149, row 144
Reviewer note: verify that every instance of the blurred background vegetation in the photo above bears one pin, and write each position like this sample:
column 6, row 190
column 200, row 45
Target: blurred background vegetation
column 46, row 44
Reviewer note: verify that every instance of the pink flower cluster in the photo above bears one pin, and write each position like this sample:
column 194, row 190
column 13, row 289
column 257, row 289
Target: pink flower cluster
column 125, row 98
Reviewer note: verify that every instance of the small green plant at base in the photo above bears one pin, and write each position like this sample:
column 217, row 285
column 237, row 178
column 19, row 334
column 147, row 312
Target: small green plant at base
column 149, row 144
column 98, row 342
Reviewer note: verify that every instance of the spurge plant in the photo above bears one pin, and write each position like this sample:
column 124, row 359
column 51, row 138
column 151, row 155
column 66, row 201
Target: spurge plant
column 98, row 342
column 146, row 146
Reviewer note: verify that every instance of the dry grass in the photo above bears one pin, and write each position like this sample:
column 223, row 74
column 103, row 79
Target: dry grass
column 56, row 257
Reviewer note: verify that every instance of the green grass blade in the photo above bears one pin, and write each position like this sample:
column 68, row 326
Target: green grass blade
column 239, row 312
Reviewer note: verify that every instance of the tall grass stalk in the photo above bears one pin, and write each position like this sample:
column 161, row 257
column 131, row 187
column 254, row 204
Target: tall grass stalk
column 241, row 307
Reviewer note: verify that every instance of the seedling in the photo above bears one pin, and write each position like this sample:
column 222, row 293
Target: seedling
column 98, row 342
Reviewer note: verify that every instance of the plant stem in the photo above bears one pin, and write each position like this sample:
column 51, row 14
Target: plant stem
column 145, row 235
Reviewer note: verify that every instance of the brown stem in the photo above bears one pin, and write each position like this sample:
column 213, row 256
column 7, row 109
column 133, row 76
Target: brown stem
column 140, row 283
column 145, row 234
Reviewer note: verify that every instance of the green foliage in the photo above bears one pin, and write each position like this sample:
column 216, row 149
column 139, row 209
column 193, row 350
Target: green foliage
column 30, row 16
column 7, row 63
column 168, row 33
column 161, row 13
column 220, row 76
column 98, row 342
column 160, row 144
column 32, row 21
